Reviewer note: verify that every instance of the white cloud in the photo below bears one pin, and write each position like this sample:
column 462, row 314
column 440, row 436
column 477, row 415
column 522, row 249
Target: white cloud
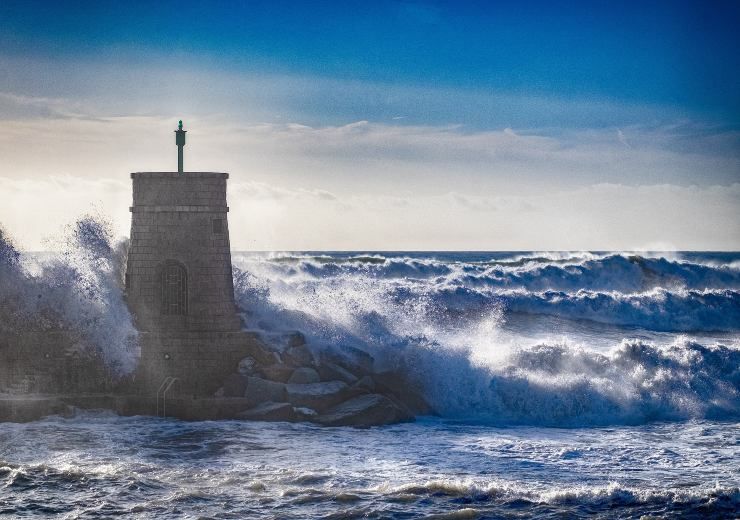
column 370, row 185
column 370, row 156
column 268, row 217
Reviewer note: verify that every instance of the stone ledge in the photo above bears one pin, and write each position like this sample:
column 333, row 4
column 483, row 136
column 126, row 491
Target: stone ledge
column 175, row 209
column 26, row 408
column 177, row 175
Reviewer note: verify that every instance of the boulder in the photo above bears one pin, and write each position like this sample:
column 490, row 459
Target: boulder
column 296, row 339
column 365, row 411
column 269, row 411
column 395, row 385
column 305, row 414
column 299, row 356
column 247, row 366
column 332, row 372
column 253, row 347
column 364, row 385
column 304, row 375
column 277, row 372
column 263, row 325
column 353, row 359
column 318, row 396
column 261, row 390
column 234, row 385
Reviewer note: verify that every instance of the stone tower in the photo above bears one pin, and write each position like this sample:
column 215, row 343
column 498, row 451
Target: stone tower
column 179, row 282
column 179, row 265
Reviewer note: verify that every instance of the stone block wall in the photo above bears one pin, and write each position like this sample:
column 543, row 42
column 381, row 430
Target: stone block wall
column 179, row 283
column 50, row 362
column 199, row 360
column 179, row 228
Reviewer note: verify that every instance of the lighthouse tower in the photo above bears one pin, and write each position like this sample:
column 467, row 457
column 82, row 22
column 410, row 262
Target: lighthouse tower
column 179, row 282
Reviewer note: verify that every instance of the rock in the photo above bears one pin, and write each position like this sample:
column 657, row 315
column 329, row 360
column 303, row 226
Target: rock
column 264, row 325
column 305, row 414
column 299, row 356
column 365, row 411
column 332, row 372
column 253, row 347
column 353, row 359
column 396, row 386
column 319, row 396
column 277, row 372
column 296, row 339
column 269, row 411
column 247, row 366
column 364, row 385
column 304, row 375
column 235, row 385
column 261, row 390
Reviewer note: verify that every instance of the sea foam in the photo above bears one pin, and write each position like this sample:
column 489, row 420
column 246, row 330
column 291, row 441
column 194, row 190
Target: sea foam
column 77, row 291
column 435, row 320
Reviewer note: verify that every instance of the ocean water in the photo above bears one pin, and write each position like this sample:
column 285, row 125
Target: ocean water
column 102, row 466
column 566, row 385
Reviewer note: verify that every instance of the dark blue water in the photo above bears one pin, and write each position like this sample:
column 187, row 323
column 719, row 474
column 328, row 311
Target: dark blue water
column 98, row 466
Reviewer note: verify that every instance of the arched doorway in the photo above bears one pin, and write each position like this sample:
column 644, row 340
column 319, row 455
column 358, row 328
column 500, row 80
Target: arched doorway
column 174, row 288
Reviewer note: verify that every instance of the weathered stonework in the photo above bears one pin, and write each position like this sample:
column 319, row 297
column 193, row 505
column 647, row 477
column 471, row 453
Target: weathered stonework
column 178, row 274
column 199, row 360
column 179, row 283
column 49, row 362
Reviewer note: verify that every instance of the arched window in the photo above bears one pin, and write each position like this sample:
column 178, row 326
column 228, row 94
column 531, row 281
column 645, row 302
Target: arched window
column 174, row 288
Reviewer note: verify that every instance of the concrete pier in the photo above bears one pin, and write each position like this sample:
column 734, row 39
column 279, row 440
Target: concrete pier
column 27, row 408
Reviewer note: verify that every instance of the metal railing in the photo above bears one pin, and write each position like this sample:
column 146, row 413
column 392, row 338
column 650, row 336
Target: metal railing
column 163, row 389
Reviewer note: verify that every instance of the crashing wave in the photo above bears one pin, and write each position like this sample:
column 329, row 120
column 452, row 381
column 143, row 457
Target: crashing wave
column 699, row 501
column 76, row 294
column 445, row 336
column 659, row 309
column 565, row 385
column 628, row 273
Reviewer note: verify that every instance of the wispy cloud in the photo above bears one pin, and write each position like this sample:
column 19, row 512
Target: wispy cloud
column 160, row 85
column 459, row 169
column 271, row 217
column 372, row 156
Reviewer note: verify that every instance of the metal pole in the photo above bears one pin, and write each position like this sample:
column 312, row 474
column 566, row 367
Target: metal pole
column 180, row 142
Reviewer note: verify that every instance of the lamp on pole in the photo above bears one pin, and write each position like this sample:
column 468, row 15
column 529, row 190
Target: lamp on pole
column 180, row 142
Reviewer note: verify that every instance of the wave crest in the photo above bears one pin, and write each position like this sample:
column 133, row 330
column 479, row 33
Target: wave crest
column 705, row 500
column 76, row 294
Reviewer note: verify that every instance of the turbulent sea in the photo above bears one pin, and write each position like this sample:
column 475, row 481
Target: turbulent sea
column 566, row 385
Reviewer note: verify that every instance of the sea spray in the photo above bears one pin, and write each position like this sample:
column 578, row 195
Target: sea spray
column 432, row 319
column 560, row 271
column 77, row 294
column 102, row 315
column 626, row 290
column 635, row 383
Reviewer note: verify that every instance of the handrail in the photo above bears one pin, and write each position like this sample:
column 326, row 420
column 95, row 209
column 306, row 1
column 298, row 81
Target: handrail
column 167, row 381
column 164, row 396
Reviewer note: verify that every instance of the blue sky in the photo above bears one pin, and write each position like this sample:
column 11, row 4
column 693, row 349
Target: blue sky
column 682, row 55
column 407, row 102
